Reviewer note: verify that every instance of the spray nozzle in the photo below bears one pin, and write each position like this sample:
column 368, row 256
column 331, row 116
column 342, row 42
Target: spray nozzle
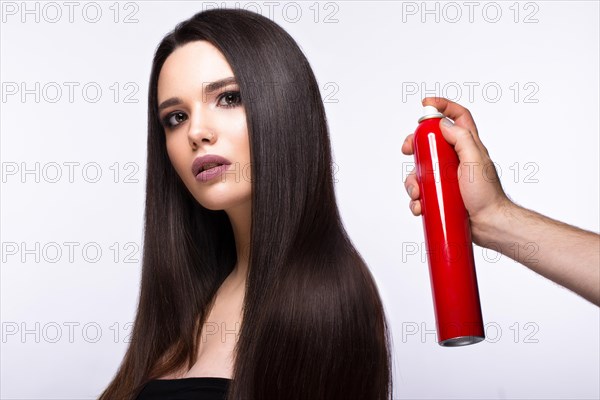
column 430, row 112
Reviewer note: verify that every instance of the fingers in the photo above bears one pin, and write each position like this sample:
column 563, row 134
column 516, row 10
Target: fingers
column 460, row 115
column 415, row 207
column 412, row 188
column 412, row 185
column 407, row 146
column 463, row 140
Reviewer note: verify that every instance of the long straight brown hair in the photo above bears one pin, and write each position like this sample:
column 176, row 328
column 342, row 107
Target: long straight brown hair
column 313, row 326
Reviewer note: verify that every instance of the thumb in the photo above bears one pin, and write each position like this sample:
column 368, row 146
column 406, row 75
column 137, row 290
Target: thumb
column 462, row 139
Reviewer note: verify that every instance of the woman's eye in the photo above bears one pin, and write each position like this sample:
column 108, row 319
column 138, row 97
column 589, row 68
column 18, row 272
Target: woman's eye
column 227, row 100
column 230, row 99
column 174, row 119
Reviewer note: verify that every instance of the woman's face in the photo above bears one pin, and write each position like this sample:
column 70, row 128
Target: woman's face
column 203, row 115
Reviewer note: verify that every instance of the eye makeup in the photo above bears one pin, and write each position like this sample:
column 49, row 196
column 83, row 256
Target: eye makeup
column 230, row 98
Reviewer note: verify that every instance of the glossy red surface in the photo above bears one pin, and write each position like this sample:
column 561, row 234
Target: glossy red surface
column 447, row 239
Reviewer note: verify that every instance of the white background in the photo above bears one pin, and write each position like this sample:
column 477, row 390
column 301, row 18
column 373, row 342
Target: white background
column 65, row 321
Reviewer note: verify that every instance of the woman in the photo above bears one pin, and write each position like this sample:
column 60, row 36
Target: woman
column 250, row 285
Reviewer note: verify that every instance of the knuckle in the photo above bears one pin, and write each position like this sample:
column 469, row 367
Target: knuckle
column 463, row 131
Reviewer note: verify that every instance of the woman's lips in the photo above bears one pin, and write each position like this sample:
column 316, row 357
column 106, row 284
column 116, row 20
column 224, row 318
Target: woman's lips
column 211, row 173
column 200, row 162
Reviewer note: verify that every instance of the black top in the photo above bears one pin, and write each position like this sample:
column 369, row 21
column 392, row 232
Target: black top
column 196, row 388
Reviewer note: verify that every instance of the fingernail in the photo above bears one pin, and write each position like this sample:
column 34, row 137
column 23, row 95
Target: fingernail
column 409, row 190
column 412, row 205
column 446, row 122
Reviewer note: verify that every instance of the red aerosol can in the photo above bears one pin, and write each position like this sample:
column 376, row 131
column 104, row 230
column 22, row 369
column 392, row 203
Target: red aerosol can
column 447, row 236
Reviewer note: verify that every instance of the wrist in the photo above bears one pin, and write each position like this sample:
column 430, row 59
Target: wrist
column 490, row 226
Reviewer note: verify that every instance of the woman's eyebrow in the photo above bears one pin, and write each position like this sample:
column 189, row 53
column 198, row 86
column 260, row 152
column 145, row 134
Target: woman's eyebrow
column 209, row 87
column 173, row 101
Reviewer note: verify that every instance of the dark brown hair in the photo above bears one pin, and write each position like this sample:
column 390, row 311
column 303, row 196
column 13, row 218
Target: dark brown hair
column 313, row 326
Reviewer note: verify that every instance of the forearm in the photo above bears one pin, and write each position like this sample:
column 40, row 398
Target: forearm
column 565, row 254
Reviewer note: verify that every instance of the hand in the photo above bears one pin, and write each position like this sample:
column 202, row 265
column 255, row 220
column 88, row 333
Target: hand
column 479, row 184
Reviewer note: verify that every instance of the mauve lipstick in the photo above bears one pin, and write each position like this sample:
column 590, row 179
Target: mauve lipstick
column 208, row 174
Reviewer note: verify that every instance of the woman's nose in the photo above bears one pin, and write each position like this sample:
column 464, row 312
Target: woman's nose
column 201, row 128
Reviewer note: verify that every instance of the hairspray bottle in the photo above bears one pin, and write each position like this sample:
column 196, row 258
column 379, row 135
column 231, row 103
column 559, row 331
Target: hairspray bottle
column 447, row 236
